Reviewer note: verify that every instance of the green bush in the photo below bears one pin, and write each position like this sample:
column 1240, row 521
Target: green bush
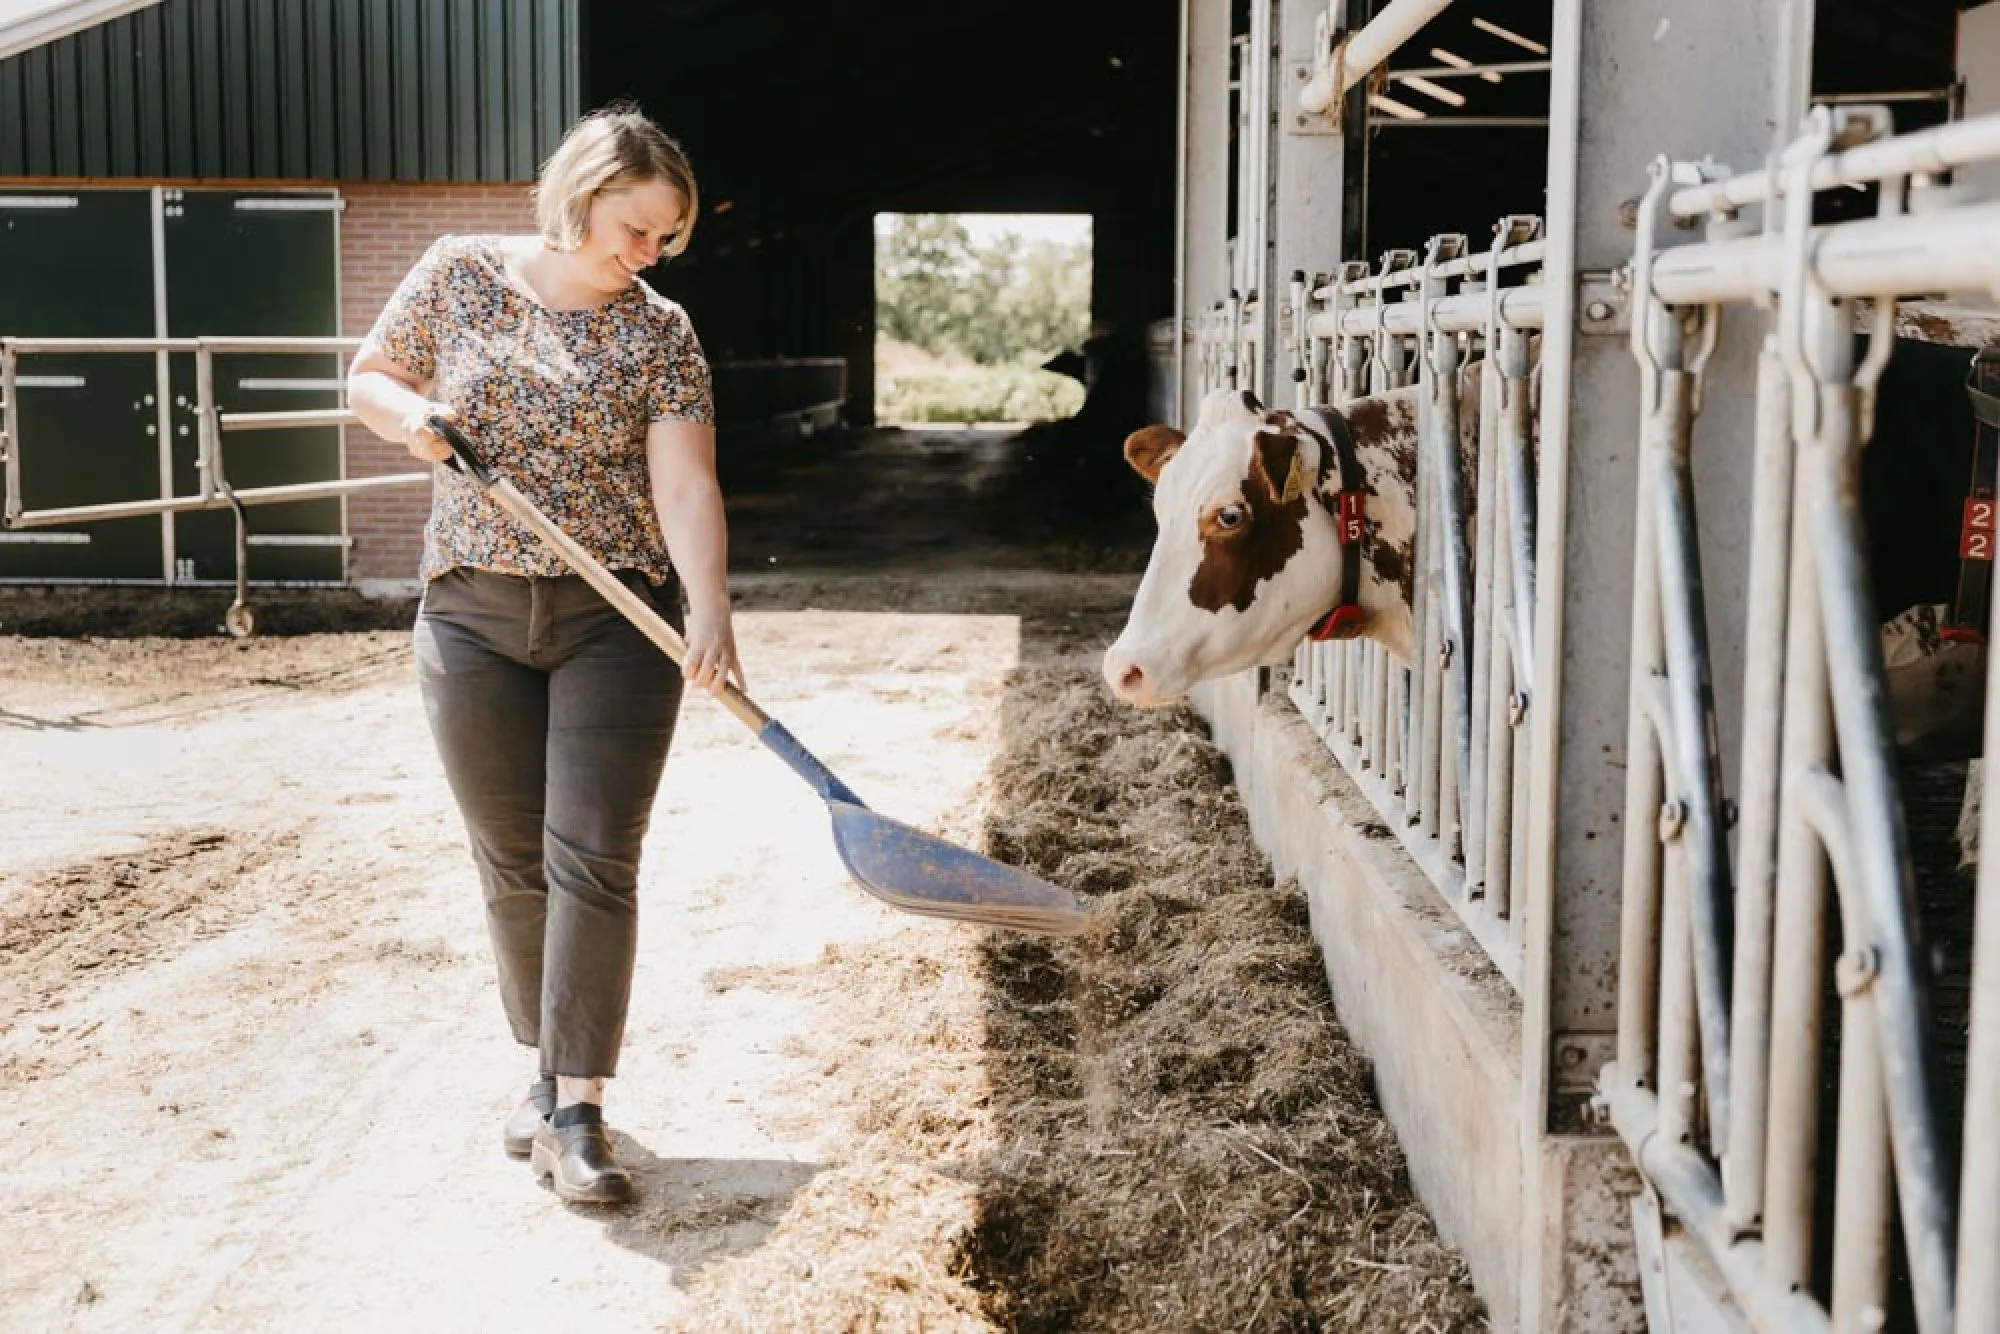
column 978, row 394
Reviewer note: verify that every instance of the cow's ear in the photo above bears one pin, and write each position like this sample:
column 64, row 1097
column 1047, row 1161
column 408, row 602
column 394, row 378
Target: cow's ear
column 1148, row 449
column 1276, row 466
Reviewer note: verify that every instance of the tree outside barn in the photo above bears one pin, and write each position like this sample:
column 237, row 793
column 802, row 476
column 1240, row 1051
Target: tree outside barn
column 969, row 307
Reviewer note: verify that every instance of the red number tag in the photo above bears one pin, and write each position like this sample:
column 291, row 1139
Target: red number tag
column 1975, row 539
column 1351, row 503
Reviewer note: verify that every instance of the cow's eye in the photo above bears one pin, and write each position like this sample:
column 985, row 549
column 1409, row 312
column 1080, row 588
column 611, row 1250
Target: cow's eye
column 1230, row 517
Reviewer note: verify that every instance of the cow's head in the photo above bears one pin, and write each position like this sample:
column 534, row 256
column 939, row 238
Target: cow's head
column 1248, row 555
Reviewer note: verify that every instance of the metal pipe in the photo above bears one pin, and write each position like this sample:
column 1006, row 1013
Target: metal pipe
column 1695, row 738
column 208, row 463
column 1378, row 709
column 1799, row 919
column 1485, row 617
column 1520, row 307
column 1862, row 1173
column 1399, row 692
column 1518, row 491
column 10, row 430
column 1355, row 57
column 1184, row 47
column 1933, row 152
column 1472, row 71
column 1979, row 1189
column 1465, row 266
column 1680, row 1009
column 163, row 424
column 1954, row 249
column 39, row 346
column 1688, row 1185
column 1453, row 549
column 1463, row 123
column 1430, row 756
column 228, row 345
column 1862, row 1178
column 261, row 495
column 1868, row 766
column 1763, row 713
column 1884, row 99
column 1497, row 810
column 278, row 421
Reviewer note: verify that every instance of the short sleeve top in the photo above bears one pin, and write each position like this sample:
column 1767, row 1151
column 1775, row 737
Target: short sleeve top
column 559, row 402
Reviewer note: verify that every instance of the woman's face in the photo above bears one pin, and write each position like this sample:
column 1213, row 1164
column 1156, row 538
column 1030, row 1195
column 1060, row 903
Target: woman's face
column 628, row 229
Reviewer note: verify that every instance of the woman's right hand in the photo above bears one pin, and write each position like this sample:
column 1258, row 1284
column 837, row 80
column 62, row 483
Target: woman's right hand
column 420, row 439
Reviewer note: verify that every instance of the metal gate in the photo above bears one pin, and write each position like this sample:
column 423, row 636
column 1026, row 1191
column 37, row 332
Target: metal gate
column 123, row 426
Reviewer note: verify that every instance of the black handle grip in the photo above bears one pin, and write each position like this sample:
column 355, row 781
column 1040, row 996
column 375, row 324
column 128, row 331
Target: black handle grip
column 465, row 458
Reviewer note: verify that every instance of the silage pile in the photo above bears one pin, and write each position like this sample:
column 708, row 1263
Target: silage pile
column 1187, row 1141
column 1157, row 1126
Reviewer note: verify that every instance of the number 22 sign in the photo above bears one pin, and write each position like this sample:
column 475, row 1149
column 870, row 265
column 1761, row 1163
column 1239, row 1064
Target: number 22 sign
column 1975, row 539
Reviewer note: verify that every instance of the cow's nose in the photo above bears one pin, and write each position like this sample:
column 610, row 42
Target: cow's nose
column 1125, row 676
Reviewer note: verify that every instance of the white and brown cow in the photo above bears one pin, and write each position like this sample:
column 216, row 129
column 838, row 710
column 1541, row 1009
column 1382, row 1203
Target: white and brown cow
column 1249, row 558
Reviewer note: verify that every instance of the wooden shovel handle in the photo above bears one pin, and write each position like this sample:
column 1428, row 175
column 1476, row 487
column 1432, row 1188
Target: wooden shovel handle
column 651, row 624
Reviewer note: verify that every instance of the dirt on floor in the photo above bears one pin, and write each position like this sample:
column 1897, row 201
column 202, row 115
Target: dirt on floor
column 257, row 1070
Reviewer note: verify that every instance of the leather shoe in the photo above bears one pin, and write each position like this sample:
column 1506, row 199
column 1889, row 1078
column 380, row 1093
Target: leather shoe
column 519, row 1135
column 577, row 1162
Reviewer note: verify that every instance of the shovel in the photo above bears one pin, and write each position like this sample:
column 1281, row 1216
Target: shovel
column 904, row 867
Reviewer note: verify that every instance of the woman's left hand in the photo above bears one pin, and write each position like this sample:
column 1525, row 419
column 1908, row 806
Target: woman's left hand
column 711, row 652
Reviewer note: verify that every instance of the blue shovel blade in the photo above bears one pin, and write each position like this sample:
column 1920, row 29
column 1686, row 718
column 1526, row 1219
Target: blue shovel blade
column 923, row 873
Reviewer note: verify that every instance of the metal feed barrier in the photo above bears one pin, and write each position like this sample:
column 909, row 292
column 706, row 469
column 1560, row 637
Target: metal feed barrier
column 1437, row 745
column 1717, row 1071
column 1723, row 975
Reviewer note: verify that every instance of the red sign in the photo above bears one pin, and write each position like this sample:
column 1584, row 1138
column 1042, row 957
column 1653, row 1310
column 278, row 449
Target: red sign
column 1975, row 539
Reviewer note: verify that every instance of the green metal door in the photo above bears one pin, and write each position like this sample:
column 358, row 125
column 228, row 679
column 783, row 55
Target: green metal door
column 261, row 264
column 79, row 264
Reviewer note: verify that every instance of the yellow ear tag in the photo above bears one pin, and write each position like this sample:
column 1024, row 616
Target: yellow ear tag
column 1295, row 481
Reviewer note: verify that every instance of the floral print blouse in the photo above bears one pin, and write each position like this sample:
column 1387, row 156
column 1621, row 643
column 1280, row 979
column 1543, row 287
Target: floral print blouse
column 558, row 402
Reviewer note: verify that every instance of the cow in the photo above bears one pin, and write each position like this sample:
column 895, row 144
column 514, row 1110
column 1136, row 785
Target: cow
column 1249, row 556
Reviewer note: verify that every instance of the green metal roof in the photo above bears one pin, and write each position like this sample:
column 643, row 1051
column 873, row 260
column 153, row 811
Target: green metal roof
column 348, row 90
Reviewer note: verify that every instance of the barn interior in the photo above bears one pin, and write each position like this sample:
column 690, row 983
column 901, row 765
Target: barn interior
column 806, row 121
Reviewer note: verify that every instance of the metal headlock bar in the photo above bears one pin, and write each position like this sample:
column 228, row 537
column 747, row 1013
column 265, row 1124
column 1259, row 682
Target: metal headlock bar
column 1434, row 742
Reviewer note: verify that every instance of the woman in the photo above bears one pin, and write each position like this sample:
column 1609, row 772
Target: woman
column 552, row 713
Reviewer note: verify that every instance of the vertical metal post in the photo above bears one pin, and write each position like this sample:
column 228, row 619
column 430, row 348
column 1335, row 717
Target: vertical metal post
column 163, row 409
column 1979, row 1188
column 1486, row 620
column 1623, row 87
column 1308, row 153
column 10, row 426
column 208, row 465
column 1678, row 1059
column 1757, row 839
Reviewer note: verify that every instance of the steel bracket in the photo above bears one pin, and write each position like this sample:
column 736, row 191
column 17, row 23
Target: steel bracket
column 1579, row 1057
column 1322, row 125
column 1604, row 303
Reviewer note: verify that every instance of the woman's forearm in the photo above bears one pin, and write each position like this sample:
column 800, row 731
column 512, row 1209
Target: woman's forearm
column 697, row 536
column 383, row 405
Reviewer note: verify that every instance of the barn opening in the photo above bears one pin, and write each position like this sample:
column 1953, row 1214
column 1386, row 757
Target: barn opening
column 980, row 318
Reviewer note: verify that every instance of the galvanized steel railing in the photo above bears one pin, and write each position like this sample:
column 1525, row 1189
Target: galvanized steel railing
column 215, row 491
column 1716, row 1083
column 1423, row 322
column 1437, row 743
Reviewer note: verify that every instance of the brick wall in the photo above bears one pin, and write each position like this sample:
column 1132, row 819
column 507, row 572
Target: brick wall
column 382, row 232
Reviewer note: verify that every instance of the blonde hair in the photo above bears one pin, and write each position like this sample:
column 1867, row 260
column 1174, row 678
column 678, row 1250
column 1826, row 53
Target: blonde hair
column 610, row 149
